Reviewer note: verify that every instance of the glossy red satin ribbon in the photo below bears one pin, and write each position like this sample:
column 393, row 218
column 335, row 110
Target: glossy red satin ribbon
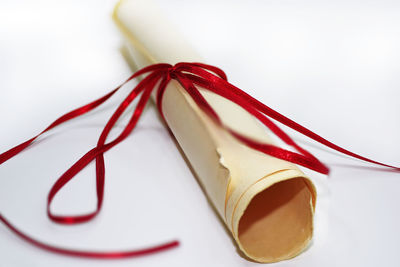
column 189, row 75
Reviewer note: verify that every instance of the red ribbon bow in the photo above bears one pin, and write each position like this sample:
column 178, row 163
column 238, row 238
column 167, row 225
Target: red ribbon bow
column 189, row 75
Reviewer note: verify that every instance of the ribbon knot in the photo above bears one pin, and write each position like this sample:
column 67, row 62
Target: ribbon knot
column 172, row 72
column 191, row 77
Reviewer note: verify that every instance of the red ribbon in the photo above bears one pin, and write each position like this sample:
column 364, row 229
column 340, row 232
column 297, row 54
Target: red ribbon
column 189, row 75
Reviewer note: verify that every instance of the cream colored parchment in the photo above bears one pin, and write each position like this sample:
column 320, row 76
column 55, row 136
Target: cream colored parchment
column 266, row 203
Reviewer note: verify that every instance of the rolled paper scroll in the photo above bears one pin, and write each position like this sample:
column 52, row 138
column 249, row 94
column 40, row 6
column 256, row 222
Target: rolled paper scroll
column 266, row 203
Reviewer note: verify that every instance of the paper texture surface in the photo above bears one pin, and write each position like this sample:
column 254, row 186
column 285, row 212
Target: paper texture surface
column 267, row 203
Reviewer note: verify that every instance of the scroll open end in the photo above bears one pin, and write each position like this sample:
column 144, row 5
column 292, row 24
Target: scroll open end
column 277, row 223
column 266, row 203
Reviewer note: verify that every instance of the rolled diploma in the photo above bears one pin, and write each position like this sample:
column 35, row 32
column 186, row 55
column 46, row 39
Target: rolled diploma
column 267, row 203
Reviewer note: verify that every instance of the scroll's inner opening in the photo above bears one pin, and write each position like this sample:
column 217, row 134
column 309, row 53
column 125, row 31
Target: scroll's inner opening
column 278, row 221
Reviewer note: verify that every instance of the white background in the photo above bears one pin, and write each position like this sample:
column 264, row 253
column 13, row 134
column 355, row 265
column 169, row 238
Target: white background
column 332, row 66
